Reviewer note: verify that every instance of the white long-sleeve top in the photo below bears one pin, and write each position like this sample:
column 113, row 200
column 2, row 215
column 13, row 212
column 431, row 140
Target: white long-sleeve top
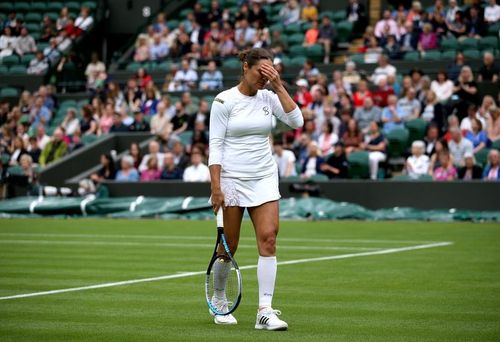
column 239, row 132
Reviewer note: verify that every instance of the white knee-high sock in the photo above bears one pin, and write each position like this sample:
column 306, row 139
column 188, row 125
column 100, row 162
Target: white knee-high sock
column 266, row 276
column 221, row 269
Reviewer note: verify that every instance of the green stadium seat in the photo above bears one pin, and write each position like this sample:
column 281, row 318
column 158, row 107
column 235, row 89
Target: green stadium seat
column 134, row 66
column 417, row 128
column 448, row 54
column 33, row 17
column 306, row 26
column 298, row 60
column 3, row 69
column 173, row 24
column 319, row 178
column 231, row 63
column 297, row 51
column 39, row 7
column 276, row 18
column 468, row 44
column 449, row 44
column 328, row 14
column 482, row 157
column 293, row 28
column 42, row 46
column 17, row 69
column 294, row 179
column 56, row 121
column 358, row 164
column 400, row 178
column 52, row 15
column 425, row 178
column 15, row 170
column 398, row 142
column 285, row 59
column 35, row 35
column 6, row 6
column 164, row 66
column 472, row 54
column 496, row 144
column 296, row 39
column 73, row 6
column 183, row 14
column 432, row 55
column 186, row 137
column 339, row 16
column 315, row 52
column 21, row 6
column 344, row 30
column 208, row 98
column 82, row 103
column 10, row 60
column 54, row 6
column 67, row 104
column 33, row 27
column 486, row 43
column 276, row 27
column 9, row 92
column 411, row 56
column 90, row 4
column 358, row 58
column 494, row 29
column 88, row 139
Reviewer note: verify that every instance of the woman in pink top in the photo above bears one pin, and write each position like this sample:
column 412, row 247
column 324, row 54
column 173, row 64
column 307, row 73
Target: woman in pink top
column 327, row 139
column 151, row 173
column 106, row 120
column 311, row 36
column 446, row 172
column 428, row 39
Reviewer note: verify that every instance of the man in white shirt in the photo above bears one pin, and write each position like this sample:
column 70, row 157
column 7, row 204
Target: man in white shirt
column 245, row 32
column 93, row 69
column 160, row 122
column 197, row 172
column 84, row 21
column 25, row 43
column 212, row 78
column 41, row 138
column 285, row 160
column 459, row 146
column 185, row 78
column 383, row 70
column 386, row 20
column 492, row 12
column 418, row 163
column 409, row 107
column 154, row 149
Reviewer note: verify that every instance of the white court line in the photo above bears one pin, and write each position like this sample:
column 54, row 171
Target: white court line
column 183, row 237
column 190, row 274
column 162, row 244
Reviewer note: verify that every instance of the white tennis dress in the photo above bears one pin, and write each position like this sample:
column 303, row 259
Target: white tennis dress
column 239, row 141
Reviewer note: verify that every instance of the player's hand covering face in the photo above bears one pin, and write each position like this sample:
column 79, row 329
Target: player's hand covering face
column 261, row 73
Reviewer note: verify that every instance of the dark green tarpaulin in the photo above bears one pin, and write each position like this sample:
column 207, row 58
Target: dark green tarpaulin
column 199, row 208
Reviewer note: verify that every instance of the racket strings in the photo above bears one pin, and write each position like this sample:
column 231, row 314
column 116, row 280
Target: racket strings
column 223, row 285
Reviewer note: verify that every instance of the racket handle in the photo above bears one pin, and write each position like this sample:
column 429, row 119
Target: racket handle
column 220, row 218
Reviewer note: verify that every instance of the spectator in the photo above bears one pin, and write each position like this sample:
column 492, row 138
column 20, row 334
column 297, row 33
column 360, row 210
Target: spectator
column 428, row 39
column 446, row 171
column 302, row 97
column 387, row 23
column 41, row 137
column 93, row 69
column 476, row 27
column 327, row 138
column 366, row 114
column 139, row 124
column 290, row 13
column 181, row 160
column 107, row 170
column 202, row 115
column 455, row 68
column 118, row 125
column 433, row 110
column 309, row 72
column 459, row 146
column 466, row 91
column 392, row 48
column 336, row 165
column 159, row 49
column 472, row 113
column 180, row 120
column 26, row 163
column 40, row 114
column 185, row 78
column 160, row 122
column 55, row 149
column 63, row 19
column 170, row 170
column 381, row 95
column 25, row 43
column 51, row 52
column 311, row 36
column 492, row 12
column 16, row 150
column 309, row 11
column 7, row 42
column 417, row 164
column 197, row 171
column 33, row 150
column 442, row 87
column 431, row 138
column 492, row 170
column 355, row 14
column 127, row 173
column 489, row 71
column 38, row 65
column 494, row 124
column 71, row 124
column 327, row 37
column 451, row 12
column 150, row 101
column 313, row 161
column 188, row 104
column 470, row 170
column 257, row 17
column 476, row 135
column 215, row 12
column 440, row 146
column 352, row 137
column 392, row 115
column 88, row 125
column 278, row 46
column 359, row 96
column 285, row 159
column 212, row 78
column 152, row 172
column 376, row 146
column 244, row 34
column 154, row 151
column 409, row 39
column 457, row 27
column 409, row 107
column 106, row 119
column 84, row 21
column 351, row 75
column 142, row 51
column 76, row 142
column 383, row 70
column 160, row 26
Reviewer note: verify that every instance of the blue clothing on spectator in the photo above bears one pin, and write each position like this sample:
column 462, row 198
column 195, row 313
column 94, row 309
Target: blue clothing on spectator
column 211, row 80
column 387, row 114
column 133, row 176
column 477, row 139
column 43, row 113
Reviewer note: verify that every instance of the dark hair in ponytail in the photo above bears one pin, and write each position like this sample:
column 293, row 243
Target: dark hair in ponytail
column 254, row 55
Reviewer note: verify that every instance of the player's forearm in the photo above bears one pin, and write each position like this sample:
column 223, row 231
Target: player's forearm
column 286, row 101
column 215, row 176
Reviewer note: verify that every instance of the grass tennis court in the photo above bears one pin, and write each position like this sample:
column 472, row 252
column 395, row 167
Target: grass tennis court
column 377, row 281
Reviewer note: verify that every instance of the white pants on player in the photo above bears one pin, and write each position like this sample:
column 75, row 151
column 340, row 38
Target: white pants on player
column 374, row 159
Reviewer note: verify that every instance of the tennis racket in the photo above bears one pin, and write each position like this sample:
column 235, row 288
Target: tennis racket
column 223, row 280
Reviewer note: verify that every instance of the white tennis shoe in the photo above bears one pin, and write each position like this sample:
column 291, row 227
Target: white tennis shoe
column 221, row 305
column 267, row 319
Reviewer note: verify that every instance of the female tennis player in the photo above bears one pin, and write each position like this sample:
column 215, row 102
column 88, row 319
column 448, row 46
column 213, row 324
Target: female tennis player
column 244, row 173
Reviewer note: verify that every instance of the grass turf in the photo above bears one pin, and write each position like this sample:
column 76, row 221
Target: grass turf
column 438, row 294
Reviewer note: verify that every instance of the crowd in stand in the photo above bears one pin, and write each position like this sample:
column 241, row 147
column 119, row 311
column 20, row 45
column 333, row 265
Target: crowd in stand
column 59, row 34
column 346, row 112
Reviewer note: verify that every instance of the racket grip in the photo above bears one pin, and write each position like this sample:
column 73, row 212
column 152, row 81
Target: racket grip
column 220, row 218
